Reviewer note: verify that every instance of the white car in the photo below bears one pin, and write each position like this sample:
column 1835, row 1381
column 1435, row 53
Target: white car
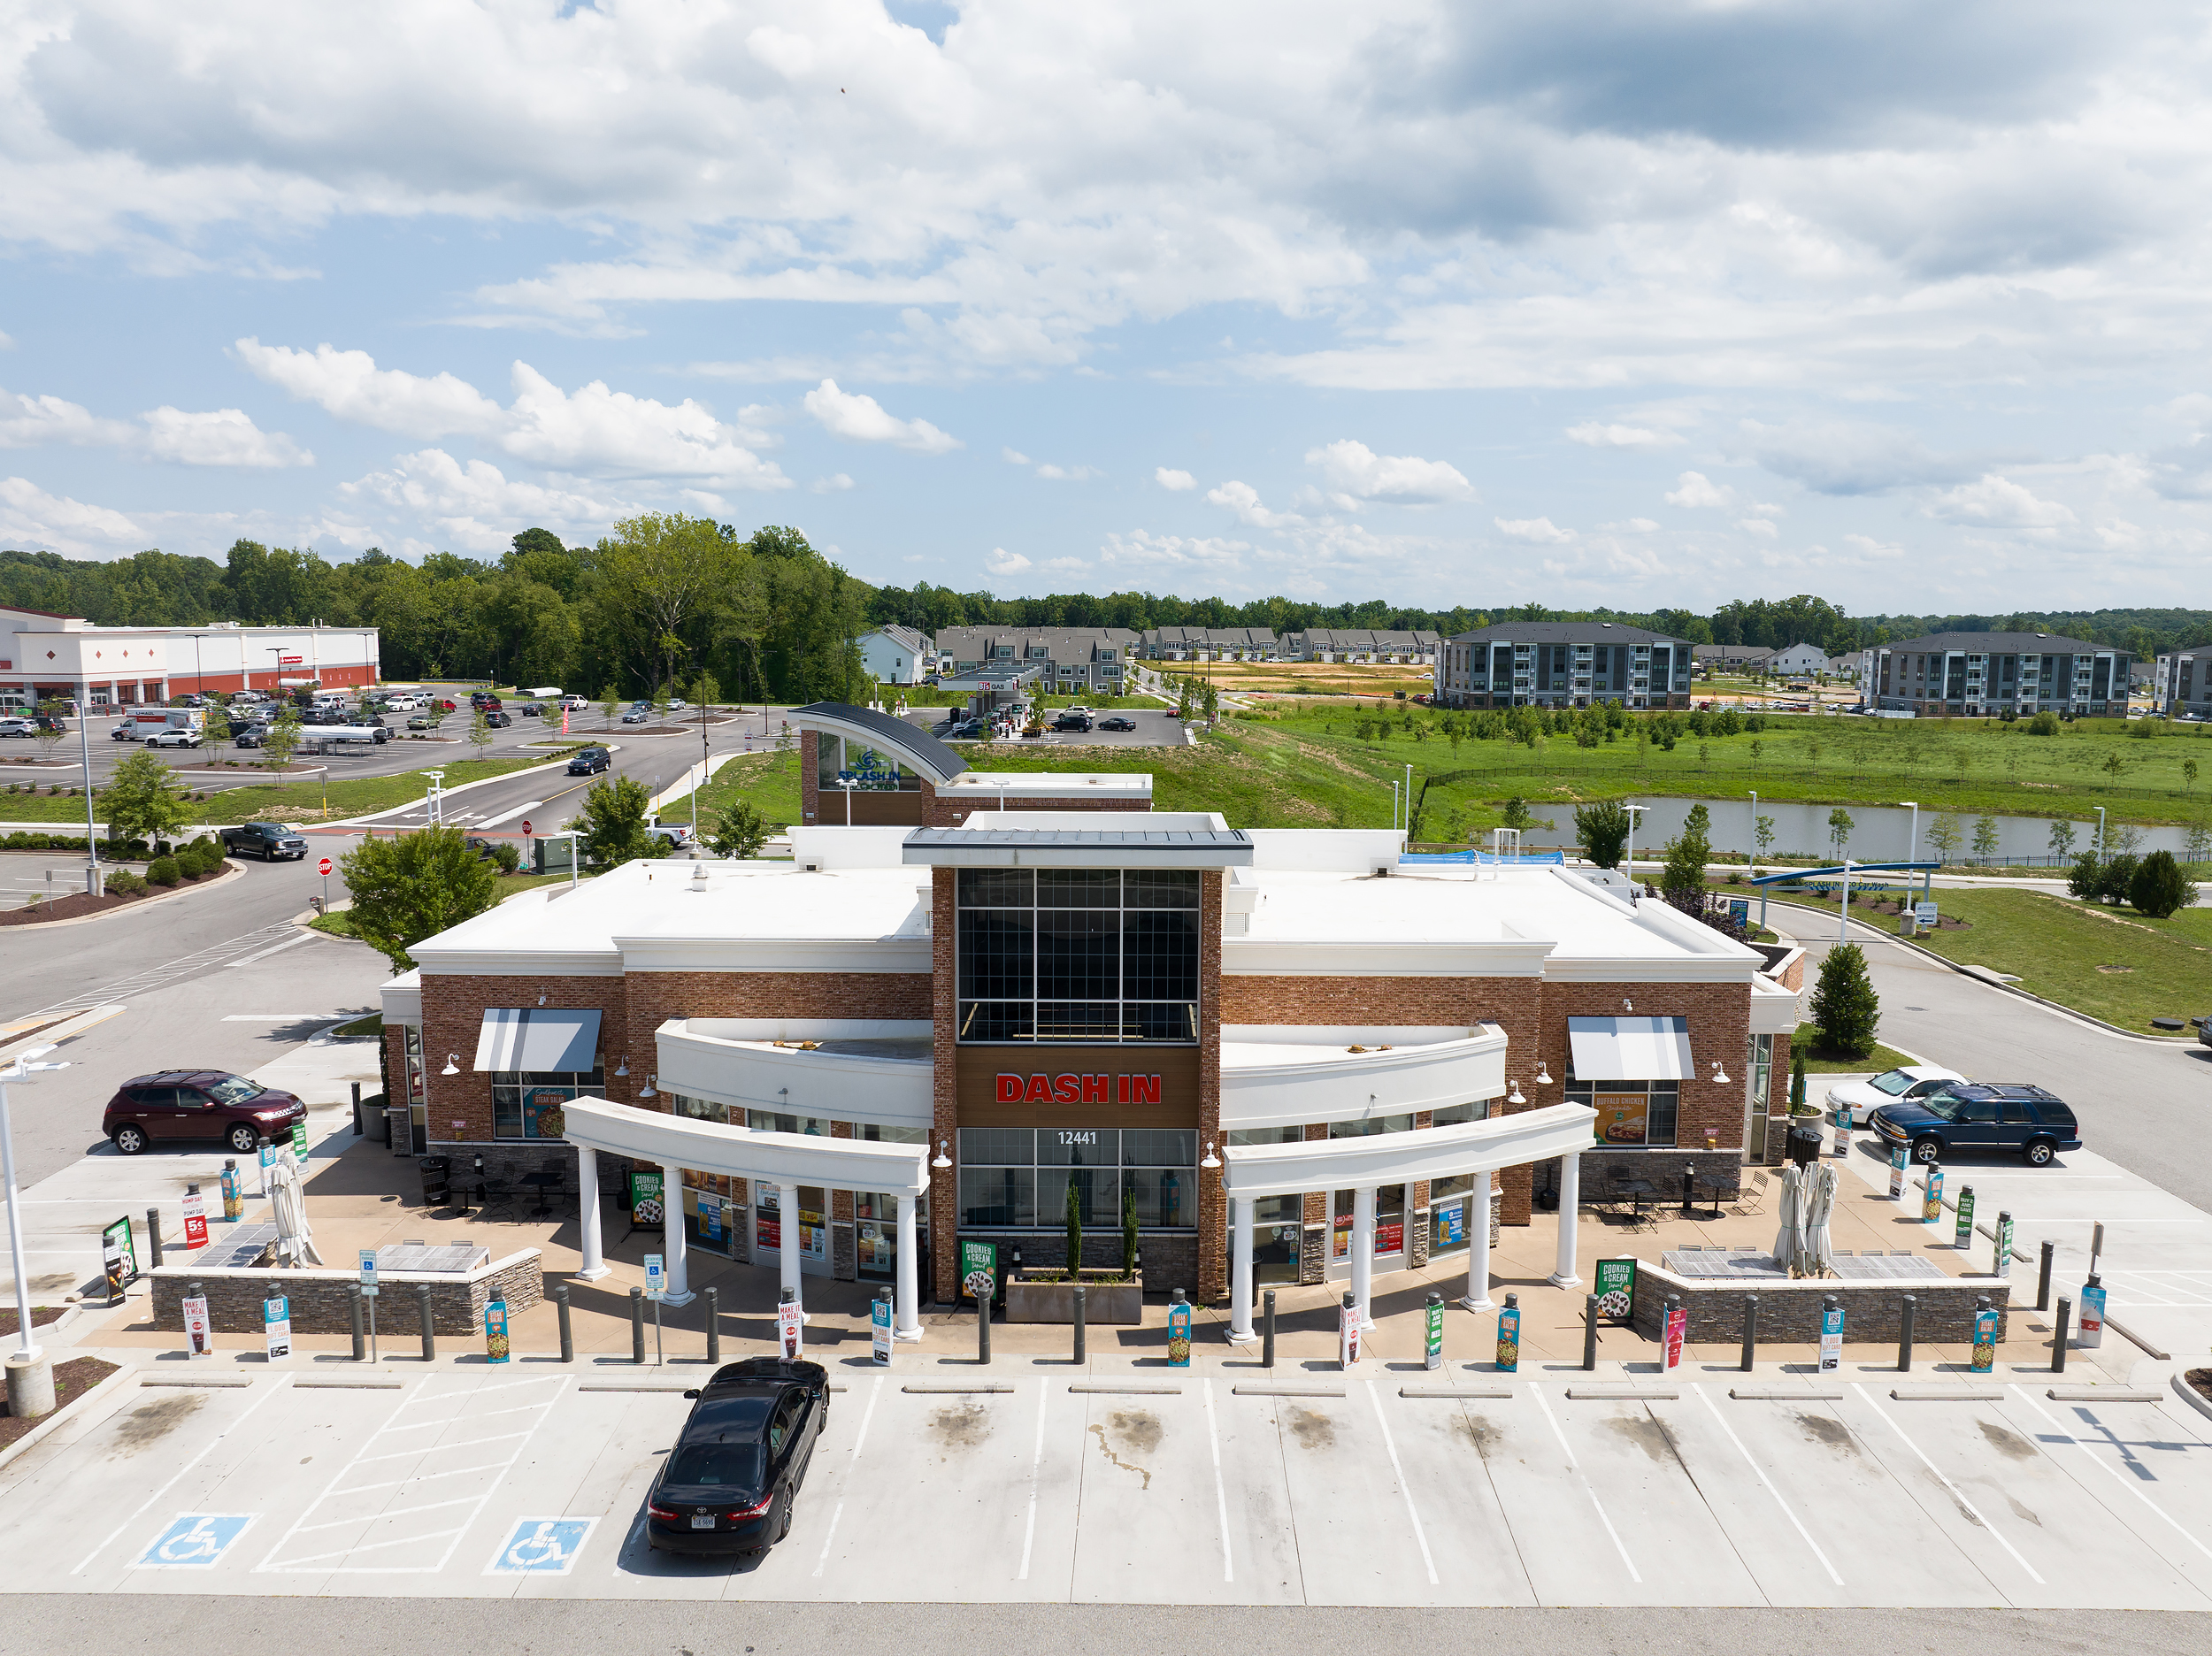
column 1863, row 1097
column 636, row 716
column 575, row 703
column 678, row 704
column 13, row 726
column 174, row 738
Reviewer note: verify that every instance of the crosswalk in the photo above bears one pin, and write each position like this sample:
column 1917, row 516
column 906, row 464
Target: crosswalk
column 237, row 951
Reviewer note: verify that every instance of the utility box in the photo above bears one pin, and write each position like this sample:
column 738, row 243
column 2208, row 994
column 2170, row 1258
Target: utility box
column 552, row 856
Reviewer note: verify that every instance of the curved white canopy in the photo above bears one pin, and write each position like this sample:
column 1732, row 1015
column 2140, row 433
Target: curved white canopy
column 779, row 1158
column 1399, row 1158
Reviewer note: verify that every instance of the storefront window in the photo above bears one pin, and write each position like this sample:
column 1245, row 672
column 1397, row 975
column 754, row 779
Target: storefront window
column 1019, row 1177
column 527, row 1104
column 777, row 1120
column 1452, row 1115
column 1097, row 955
column 1370, row 1126
column 1761, row 1071
column 1390, row 1221
column 1629, row 1112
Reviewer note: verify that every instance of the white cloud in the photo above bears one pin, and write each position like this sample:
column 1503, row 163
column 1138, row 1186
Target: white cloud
column 1244, row 499
column 1213, row 555
column 473, row 504
column 862, row 419
column 1596, row 434
column 1353, row 469
column 220, row 437
column 836, row 483
column 1168, row 478
column 351, row 386
column 1002, row 564
column 1631, row 526
column 1998, row 503
column 1696, row 490
column 1758, row 526
column 1068, row 474
column 1013, row 456
column 1535, row 531
column 34, row 520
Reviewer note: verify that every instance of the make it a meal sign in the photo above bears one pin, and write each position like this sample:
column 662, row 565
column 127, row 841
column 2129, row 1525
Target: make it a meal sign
column 1078, row 1089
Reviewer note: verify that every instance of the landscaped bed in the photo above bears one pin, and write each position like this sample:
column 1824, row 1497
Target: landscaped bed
column 72, row 1380
column 78, row 904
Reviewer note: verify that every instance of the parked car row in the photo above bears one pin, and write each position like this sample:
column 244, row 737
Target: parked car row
column 1935, row 1113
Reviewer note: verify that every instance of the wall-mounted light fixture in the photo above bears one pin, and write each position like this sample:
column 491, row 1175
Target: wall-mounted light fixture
column 646, row 1090
column 622, row 1069
column 940, row 1160
column 1515, row 1096
column 1720, row 1076
column 1209, row 1159
column 452, row 1064
column 1543, row 1073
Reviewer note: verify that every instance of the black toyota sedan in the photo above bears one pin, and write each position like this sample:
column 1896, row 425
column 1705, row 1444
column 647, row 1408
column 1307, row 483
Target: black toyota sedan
column 2026, row 1120
column 728, row 1484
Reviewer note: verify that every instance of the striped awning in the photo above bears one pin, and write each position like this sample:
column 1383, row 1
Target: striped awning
column 536, row 1037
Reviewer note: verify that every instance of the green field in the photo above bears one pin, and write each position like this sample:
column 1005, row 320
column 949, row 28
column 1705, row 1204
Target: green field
column 2112, row 963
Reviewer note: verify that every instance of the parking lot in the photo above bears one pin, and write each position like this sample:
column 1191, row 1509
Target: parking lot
column 529, row 1479
column 1155, row 728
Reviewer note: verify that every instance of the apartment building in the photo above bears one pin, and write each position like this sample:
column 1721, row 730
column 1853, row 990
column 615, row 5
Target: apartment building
column 897, row 654
column 2182, row 684
column 1564, row 665
column 1072, row 661
column 1979, row 675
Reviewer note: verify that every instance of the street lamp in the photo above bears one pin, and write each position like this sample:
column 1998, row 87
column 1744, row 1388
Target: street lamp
column 2100, row 833
column 1754, row 833
column 30, row 1379
column 1912, row 845
column 1628, row 861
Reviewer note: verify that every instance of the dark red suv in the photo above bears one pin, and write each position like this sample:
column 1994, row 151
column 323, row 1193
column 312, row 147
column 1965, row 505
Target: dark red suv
column 184, row 1104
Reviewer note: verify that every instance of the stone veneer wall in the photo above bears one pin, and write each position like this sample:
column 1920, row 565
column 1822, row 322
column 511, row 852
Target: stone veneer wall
column 322, row 1300
column 1790, row 1311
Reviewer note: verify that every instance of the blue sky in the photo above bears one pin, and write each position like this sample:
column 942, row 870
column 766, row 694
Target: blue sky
column 1623, row 303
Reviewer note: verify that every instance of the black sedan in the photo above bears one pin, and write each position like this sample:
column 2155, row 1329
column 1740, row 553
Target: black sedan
column 728, row 1484
column 1117, row 724
column 2026, row 1120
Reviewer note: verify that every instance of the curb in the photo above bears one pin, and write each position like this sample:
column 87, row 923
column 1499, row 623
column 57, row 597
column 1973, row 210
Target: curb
column 394, row 810
column 1977, row 976
column 2190, row 1395
column 125, row 1375
column 230, row 869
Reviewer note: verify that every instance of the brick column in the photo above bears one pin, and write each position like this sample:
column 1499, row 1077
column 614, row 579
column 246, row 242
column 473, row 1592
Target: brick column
column 810, row 779
column 944, row 1211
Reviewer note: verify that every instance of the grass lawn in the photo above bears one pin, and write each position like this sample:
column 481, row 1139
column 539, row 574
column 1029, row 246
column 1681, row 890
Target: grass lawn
column 1820, row 1059
column 2112, row 963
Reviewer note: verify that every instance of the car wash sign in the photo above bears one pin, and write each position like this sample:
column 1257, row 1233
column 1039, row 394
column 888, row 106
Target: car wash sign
column 1067, row 1087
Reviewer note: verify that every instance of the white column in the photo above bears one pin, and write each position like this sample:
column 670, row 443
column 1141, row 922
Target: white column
column 1569, row 1206
column 1479, row 1246
column 788, row 1218
column 672, row 1237
column 1240, row 1269
column 588, row 1214
column 1363, row 1253
column 906, row 1322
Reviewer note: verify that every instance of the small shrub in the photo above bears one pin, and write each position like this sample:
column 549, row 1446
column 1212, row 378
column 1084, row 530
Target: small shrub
column 1844, row 1003
column 508, row 856
column 163, row 871
column 2158, row 888
column 2043, row 723
column 123, row 883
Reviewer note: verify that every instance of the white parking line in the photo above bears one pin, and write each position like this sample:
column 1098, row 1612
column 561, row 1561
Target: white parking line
column 867, row 1414
column 1036, row 1460
column 281, row 1385
column 1221, row 1494
column 2111, row 1471
column 823, row 1557
column 1722, row 1421
column 1405, row 1489
column 1536, row 1391
column 1957, row 1494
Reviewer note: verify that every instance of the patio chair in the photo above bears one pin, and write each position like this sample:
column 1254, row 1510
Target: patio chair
column 1753, row 1196
column 492, row 1193
column 1900, row 1253
column 1841, row 1253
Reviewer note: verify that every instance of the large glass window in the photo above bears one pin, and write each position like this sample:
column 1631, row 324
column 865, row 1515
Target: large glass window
column 1019, row 1178
column 1629, row 1112
column 527, row 1104
column 1067, row 955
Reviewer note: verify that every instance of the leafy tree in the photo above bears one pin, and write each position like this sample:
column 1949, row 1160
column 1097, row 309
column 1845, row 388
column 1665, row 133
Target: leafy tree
column 613, row 822
column 1844, row 1005
column 2043, row 723
column 215, row 726
column 2113, row 765
column 1840, row 827
column 2189, row 773
column 1946, row 835
column 2061, row 839
column 741, row 833
column 667, row 570
column 610, row 704
column 2197, row 839
column 706, row 691
column 2083, row 880
column 1985, row 835
column 1682, row 881
column 1762, row 832
column 2158, row 888
column 413, row 886
column 281, row 739
column 1798, row 1107
column 481, row 735
column 1517, row 814
column 1603, row 829
column 49, row 729
column 143, row 800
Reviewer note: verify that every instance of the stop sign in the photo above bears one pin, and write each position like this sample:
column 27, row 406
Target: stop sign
column 323, row 867
column 525, row 827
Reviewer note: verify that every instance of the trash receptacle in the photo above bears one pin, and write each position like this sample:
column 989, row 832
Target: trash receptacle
column 1804, row 1145
column 436, row 1187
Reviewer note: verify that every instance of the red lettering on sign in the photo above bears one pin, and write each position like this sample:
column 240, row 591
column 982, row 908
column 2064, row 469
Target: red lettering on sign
column 1067, row 1089
column 1144, row 1089
column 1010, row 1089
column 1040, row 1090
column 1094, row 1088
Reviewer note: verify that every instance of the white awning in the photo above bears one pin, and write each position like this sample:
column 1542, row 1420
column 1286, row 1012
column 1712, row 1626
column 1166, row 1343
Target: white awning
column 1630, row 1048
column 777, row 1158
column 1399, row 1158
column 536, row 1037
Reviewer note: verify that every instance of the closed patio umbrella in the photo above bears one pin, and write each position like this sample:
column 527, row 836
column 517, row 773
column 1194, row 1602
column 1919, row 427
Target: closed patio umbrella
column 1789, row 1234
column 295, row 1242
column 1820, row 1202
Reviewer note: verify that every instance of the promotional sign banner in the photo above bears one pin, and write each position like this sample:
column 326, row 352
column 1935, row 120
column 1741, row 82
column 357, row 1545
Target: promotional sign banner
column 496, row 1332
column 879, row 1331
column 194, row 1217
column 1448, row 1227
column 1510, row 1336
column 1840, row 1144
column 1830, row 1339
column 646, row 1190
column 1432, row 1350
column 2091, row 1333
column 1963, row 1232
column 299, row 1139
column 199, row 1333
column 1932, row 1207
column 1346, row 1336
column 1614, row 1280
column 790, row 1330
column 1985, row 1340
column 2002, row 1266
column 710, row 1218
column 368, row 1273
column 234, row 1193
column 276, row 1326
column 1178, row 1335
column 978, row 1270
column 1897, row 1158
column 1678, row 1323
column 120, row 1256
column 656, row 1277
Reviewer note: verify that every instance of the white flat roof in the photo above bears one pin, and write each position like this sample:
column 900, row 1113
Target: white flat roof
column 1048, row 785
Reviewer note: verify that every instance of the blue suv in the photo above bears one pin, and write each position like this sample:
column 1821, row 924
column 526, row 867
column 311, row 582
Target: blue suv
column 2031, row 1122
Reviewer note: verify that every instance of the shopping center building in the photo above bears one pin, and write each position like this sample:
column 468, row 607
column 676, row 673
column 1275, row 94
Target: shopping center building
column 44, row 655
column 1294, row 1053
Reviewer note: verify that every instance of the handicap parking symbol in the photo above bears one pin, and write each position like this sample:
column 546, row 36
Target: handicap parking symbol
column 541, row 1546
column 194, row 1541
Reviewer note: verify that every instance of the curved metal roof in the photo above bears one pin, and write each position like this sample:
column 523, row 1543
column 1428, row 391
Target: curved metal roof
column 920, row 751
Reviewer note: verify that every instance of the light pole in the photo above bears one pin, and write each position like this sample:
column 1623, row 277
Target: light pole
column 1843, row 909
column 91, row 838
column 1912, row 845
column 434, row 803
column 1754, row 833
column 1628, row 860
column 30, row 1378
column 1394, row 802
column 2100, row 833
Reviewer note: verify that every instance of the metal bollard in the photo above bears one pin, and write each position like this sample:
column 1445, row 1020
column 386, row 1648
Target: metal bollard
column 637, row 1325
column 2043, row 1279
column 714, row 1324
column 2058, row 1336
column 1750, row 1329
column 1904, row 1333
column 1080, row 1295
column 568, row 1334
column 1590, row 1333
column 1689, row 1188
column 153, row 1234
column 357, row 1109
column 1267, row 1329
column 983, row 1328
column 360, row 1337
column 429, row 1332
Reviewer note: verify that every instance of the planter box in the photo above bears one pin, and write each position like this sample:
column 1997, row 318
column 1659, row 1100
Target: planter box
column 1055, row 1301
